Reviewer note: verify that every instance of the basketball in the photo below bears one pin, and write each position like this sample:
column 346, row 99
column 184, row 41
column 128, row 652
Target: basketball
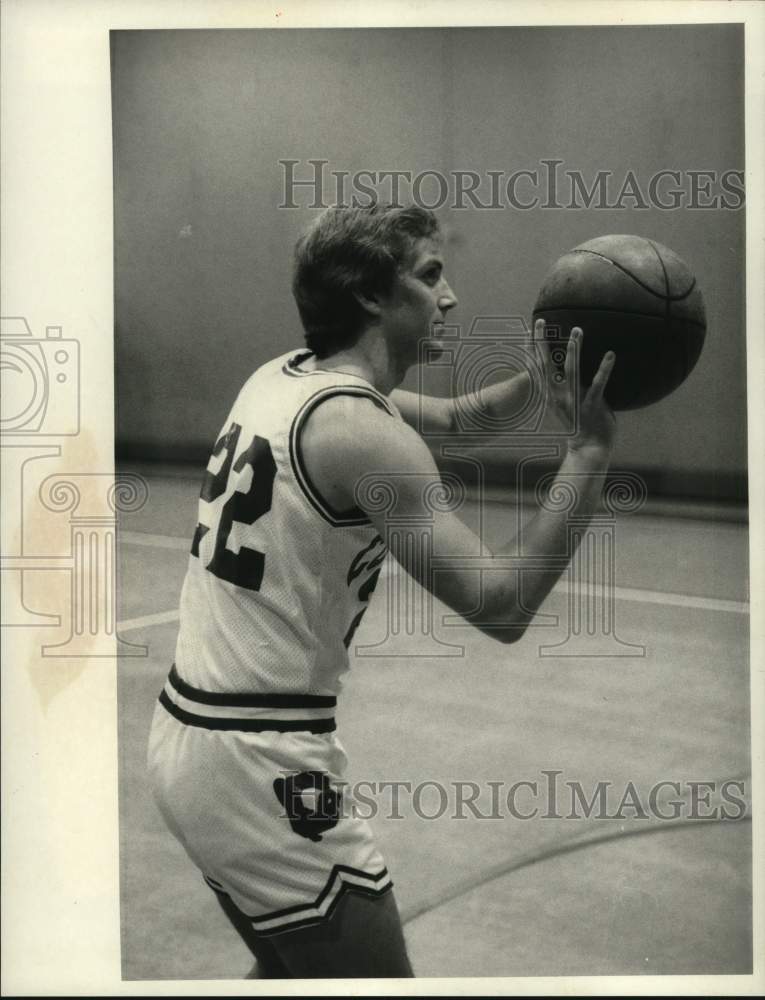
column 632, row 296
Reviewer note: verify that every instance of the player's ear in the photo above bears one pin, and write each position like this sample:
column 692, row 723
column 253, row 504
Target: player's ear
column 370, row 300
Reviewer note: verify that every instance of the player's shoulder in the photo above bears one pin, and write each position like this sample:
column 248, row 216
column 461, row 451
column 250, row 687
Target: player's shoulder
column 268, row 388
column 356, row 422
column 350, row 436
column 283, row 364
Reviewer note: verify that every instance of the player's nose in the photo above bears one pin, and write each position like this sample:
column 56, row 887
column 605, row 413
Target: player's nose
column 447, row 299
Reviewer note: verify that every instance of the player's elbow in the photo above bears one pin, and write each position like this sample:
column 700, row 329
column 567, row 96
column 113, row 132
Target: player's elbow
column 502, row 632
column 497, row 611
column 511, row 632
column 506, row 625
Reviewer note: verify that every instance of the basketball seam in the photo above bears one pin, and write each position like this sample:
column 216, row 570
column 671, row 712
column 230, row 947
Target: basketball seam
column 647, row 288
column 666, row 279
column 574, row 308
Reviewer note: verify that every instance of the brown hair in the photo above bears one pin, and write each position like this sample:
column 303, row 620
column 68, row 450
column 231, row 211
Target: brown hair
column 348, row 250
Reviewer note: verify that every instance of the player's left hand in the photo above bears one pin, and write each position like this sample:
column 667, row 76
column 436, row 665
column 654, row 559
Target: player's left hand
column 586, row 413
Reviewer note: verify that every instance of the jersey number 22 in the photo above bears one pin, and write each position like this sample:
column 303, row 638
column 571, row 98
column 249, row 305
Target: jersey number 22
column 245, row 567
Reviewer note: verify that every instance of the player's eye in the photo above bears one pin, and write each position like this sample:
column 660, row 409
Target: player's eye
column 433, row 274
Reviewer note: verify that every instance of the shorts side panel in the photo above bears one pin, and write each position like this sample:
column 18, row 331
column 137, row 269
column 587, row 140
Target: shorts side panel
column 216, row 791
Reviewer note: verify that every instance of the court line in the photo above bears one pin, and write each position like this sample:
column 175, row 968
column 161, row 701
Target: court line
column 620, row 593
column 154, row 541
column 161, row 618
column 529, row 858
column 676, row 600
column 144, row 539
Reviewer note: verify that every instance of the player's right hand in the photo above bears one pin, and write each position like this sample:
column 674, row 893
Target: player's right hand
column 587, row 413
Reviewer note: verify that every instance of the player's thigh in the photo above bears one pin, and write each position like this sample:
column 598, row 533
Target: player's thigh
column 363, row 938
column 269, row 964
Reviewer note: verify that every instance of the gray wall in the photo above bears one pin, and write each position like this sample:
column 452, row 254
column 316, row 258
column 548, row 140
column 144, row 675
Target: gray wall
column 201, row 119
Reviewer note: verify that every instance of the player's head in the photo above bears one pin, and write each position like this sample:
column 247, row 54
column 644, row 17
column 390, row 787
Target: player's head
column 349, row 254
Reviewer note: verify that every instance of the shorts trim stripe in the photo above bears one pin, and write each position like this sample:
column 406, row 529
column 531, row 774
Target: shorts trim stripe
column 246, row 725
column 341, row 880
column 232, row 700
column 253, row 714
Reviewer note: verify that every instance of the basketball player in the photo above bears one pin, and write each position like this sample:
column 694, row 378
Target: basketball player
column 243, row 755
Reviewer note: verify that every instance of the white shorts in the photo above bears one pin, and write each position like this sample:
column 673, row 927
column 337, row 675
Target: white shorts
column 252, row 795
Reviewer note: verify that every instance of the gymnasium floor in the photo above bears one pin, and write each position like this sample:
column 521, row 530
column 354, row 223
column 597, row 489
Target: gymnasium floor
column 507, row 896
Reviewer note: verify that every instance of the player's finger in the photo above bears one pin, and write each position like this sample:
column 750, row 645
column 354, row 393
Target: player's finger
column 571, row 366
column 538, row 342
column 602, row 376
column 547, row 368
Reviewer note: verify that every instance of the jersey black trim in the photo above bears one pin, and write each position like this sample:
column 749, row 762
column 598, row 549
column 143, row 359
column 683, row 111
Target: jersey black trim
column 247, row 725
column 291, row 368
column 338, row 519
column 249, row 700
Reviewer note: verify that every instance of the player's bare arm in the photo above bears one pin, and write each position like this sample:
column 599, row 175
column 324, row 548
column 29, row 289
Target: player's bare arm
column 348, row 438
column 438, row 415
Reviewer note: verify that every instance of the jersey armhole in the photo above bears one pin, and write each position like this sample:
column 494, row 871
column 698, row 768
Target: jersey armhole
column 338, row 519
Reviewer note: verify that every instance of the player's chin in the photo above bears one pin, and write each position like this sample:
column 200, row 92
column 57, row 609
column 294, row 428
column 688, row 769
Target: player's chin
column 434, row 342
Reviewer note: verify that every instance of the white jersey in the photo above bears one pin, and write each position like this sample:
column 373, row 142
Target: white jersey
column 277, row 581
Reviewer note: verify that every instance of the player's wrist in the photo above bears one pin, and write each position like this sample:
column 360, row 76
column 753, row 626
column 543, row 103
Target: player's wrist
column 590, row 458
